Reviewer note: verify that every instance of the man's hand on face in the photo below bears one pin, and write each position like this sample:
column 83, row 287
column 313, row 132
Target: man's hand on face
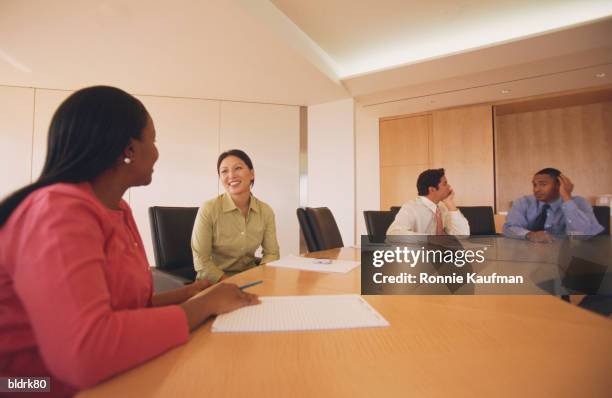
column 449, row 201
column 565, row 187
column 539, row 237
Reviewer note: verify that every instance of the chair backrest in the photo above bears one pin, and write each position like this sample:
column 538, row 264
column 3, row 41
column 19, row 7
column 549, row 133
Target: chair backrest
column 306, row 230
column 171, row 229
column 602, row 214
column 480, row 218
column 324, row 228
column 395, row 210
column 377, row 223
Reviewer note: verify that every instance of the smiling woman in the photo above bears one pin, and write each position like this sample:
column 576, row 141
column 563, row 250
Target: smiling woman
column 231, row 227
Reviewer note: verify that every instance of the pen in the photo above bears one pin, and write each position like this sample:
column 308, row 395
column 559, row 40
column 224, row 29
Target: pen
column 250, row 284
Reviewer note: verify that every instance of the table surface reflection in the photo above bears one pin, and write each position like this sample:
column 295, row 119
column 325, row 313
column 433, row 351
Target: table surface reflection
column 436, row 346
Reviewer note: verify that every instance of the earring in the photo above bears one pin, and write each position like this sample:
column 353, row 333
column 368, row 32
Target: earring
column 127, row 160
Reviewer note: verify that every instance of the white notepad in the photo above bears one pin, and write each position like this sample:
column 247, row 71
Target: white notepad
column 314, row 264
column 297, row 313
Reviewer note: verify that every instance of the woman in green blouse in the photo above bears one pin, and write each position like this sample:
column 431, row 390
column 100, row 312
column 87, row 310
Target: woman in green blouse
column 231, row 227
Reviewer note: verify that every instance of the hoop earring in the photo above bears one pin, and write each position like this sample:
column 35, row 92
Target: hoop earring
column 127, row 160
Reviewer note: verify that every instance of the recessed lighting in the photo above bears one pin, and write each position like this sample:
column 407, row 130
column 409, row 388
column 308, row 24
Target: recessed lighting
column 505, row 91
column 600, row 75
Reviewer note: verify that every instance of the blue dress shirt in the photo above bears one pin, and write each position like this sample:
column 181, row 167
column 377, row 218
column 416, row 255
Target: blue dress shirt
column 574, row 217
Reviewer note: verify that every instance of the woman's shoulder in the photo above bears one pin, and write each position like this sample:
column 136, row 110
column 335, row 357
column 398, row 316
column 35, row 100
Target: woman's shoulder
column 212, row 206
column 263, row 206
column 214, row 202
column 63, row 195
column 57, row 205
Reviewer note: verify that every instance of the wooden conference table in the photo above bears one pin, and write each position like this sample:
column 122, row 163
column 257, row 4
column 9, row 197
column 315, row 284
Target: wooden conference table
column 436, row 346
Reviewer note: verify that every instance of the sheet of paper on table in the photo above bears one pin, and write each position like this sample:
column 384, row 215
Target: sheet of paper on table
column 300, row 313
column 314, row 264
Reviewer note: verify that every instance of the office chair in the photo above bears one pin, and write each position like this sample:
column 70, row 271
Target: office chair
column 602, row 214
column 395, row 210
column 324, row 228
column 171, row 229
column 480, row 218
column 377, row 223
column 306, row 230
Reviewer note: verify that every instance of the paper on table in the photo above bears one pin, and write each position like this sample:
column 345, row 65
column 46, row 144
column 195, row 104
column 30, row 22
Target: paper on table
column 475, row 245
column 296, row 313
column 314, row 264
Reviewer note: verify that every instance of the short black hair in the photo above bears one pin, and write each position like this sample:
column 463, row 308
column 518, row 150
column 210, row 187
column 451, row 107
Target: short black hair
column 239, row 154
column 554, row 173
column 429, row 178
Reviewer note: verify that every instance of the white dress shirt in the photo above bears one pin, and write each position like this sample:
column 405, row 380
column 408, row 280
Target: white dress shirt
column 418, row 217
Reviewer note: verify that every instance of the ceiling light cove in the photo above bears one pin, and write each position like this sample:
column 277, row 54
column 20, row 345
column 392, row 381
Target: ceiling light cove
column 447, row 36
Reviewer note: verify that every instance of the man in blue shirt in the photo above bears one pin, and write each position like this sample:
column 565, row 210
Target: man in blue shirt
column 551, row 211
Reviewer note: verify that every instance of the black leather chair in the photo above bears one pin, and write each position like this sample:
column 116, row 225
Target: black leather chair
column 377, row 223
column 324, row 228
column 602, row 214
column 480, row 218
column 395, row 210
column 171, row 229
column 306, row 230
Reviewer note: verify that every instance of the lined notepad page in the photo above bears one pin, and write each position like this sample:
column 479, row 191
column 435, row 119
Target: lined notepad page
column 314, row 264
column 297, row 313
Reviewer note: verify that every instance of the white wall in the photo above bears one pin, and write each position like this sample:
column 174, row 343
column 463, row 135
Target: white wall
column 46, row 102
column 16, row 112
column 269, row 134
column 331, row 162
column 190, row 135
column 367, row 189
column 187, row 135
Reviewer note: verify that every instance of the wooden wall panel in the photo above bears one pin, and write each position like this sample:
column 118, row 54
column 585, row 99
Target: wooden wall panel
column 575, row 139
column 398, row 184
column 405, row 152
column 463, row 146
column 402, row 141
column 459, row 140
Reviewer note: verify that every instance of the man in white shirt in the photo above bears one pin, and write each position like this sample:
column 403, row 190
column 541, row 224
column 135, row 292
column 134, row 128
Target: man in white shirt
column 433, row 212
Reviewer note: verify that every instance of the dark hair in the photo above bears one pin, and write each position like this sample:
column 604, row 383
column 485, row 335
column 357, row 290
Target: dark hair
column 554, row 173
column 88, row 133
column 429, row 178
column 239, row 154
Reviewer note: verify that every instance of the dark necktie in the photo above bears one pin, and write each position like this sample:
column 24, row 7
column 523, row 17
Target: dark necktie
column 538, row 223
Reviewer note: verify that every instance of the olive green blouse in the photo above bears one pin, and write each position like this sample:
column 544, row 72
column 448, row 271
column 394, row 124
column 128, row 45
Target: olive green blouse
column 224, row 241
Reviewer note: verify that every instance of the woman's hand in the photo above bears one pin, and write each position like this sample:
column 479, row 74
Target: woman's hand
column 227, row 297
column 222, row 298
column 180, row 295
column 197, row 286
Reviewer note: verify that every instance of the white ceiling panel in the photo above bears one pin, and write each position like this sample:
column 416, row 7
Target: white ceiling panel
column 201, row 49
column 364, row 36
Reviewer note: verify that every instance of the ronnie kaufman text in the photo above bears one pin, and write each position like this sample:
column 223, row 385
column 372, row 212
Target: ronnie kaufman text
column 425, row 278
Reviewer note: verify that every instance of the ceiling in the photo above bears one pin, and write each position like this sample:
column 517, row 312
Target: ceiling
column 551, row 54
column 301, row 52
column 366, row 36
column 178, row 48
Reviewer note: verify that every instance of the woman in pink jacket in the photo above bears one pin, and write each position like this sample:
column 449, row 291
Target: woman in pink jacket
column 76, row 298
